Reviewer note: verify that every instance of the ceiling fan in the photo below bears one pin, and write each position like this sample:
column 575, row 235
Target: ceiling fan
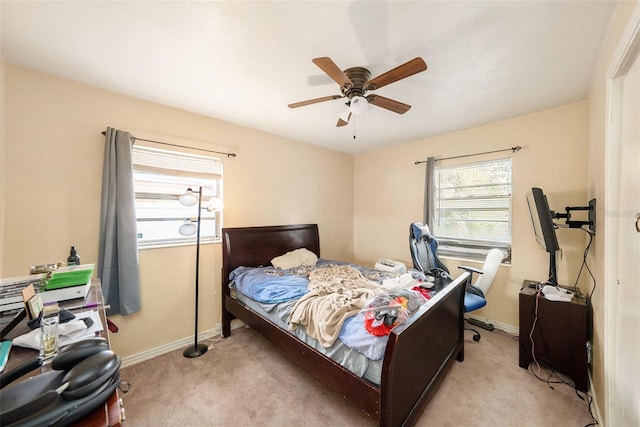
column 355, row 85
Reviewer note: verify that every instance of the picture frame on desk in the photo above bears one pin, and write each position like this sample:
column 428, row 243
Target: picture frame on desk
column 32, row 302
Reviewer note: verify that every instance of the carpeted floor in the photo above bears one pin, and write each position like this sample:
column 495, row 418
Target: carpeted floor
column 245, row 381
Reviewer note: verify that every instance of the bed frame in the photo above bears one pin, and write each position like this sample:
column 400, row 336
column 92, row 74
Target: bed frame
column 418, row 354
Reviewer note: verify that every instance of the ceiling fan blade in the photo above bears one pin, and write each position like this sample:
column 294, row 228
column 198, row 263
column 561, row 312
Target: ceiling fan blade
column 407, row 69
column 389, row 104
column 314, row 101
column 341, row 122
column 327, row 65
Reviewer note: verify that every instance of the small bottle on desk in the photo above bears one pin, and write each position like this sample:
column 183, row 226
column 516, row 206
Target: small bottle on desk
column 74, row 258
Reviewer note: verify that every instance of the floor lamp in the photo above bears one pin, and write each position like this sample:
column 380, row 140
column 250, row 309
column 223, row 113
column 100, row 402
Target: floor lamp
column 189, row 229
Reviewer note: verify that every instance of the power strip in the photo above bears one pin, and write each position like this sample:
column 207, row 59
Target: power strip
column 481, row 324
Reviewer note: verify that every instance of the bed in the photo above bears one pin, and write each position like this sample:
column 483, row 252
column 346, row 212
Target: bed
column 418, row 352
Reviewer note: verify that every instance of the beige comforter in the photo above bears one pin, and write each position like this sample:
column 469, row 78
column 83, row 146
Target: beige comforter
column 335, row 293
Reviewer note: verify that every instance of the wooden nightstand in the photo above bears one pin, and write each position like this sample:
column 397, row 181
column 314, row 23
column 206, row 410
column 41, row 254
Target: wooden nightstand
column 559, row 336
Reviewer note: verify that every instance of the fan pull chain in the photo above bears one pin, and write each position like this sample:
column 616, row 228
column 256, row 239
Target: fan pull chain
column 354, row 127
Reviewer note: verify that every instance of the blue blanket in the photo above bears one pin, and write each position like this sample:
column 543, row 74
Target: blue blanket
column 355, row 335
column 268, row 285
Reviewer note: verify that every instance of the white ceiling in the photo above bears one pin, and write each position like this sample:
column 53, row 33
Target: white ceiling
column 243, row 61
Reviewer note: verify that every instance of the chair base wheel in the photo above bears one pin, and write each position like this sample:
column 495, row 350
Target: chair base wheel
column 476, row 334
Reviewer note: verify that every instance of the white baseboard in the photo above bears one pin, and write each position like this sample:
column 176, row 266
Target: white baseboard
column 596, row 409
column 184, row 342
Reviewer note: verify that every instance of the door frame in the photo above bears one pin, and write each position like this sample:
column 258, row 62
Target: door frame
column 628, row 49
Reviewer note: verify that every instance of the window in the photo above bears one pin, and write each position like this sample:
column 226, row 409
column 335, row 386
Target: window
column 160, row 177
column 473, row 209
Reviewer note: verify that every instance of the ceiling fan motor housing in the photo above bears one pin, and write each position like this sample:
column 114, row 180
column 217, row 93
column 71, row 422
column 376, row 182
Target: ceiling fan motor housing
column 358, row 76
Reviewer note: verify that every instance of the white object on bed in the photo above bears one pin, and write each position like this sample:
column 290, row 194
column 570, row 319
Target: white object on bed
column 402, row 281
column 297, row 258
column 391, row 265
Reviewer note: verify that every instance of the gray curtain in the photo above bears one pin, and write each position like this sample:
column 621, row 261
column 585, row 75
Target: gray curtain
column 118, row 251
column 429, row 190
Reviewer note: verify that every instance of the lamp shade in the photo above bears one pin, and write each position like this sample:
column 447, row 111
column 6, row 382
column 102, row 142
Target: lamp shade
column 215, row 204
column 188, row 228
column 189, row 198
column 358, row 105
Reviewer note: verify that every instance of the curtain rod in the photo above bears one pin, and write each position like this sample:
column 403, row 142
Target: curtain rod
column 176, row 145
column 512, row 149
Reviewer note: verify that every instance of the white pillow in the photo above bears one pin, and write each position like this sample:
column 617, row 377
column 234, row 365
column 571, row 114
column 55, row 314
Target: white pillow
column 296, row 258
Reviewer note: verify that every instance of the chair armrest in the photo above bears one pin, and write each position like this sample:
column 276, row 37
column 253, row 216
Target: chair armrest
column 470, row 269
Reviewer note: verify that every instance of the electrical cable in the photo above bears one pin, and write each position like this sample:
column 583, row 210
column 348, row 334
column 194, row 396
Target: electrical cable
column 214, row 340
column 541, row 364
column 584, row 264
column 561, row 380
column 533, row 327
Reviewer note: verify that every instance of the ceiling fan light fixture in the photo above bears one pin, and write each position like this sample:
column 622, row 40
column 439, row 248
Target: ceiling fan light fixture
column 358, row 105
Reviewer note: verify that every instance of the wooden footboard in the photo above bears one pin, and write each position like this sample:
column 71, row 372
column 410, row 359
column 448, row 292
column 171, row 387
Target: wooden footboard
column 419, row 351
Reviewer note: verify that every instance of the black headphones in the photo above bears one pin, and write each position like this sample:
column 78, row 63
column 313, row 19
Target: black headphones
column 81, row 372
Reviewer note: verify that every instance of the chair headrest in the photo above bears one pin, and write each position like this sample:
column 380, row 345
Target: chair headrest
column 420, row 231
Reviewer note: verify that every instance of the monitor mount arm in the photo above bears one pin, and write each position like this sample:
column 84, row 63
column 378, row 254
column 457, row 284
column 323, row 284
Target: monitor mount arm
column 591, row 222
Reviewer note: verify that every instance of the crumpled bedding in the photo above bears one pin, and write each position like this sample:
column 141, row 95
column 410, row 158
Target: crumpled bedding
column 345, row 320
column 355, row 334
column 335, row 293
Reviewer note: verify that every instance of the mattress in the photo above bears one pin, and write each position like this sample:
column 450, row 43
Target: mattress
column 348, row 358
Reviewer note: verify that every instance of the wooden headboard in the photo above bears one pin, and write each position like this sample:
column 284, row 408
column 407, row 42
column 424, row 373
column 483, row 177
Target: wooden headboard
column 256, row 246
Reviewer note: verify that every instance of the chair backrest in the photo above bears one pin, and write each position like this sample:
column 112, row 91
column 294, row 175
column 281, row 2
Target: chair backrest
column 489, row 270
column 424, row 247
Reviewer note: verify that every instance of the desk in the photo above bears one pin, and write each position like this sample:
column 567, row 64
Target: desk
column 559, row 336
column 107, row 415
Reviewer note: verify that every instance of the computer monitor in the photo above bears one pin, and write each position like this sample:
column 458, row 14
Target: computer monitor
column 544, row 228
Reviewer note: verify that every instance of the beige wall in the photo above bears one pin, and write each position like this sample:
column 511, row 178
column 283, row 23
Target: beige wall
column 596, row 180
column 388, row 195
column 52, row 181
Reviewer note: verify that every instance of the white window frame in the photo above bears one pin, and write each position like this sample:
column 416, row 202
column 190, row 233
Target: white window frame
column 160, row 177
column 488, row 207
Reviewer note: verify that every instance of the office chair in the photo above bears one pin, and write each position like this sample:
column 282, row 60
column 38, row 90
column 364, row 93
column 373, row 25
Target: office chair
column 424, row 254
column 423, row 247
column 475, row 294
